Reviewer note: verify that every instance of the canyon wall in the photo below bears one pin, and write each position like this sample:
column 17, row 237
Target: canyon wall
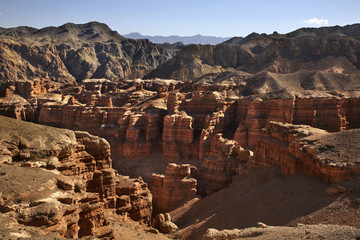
column 225, row 160
column 172, row 189
column 183, row 129
column 181, row 126
column 193, row 120
column 304, row 149
column 331, row 114
column 64, row 181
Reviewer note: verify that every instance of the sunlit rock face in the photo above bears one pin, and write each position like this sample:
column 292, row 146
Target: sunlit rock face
column 172, row 189
column 64, row 181
column 304, row 149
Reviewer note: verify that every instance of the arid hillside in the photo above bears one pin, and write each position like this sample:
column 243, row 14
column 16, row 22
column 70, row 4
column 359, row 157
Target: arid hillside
column 73, row 52
column 329, row 48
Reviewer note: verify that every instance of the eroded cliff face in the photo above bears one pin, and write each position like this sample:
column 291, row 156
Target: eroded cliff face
column 64, row 181
column 139, row 120
column 152, row 121
column 225, row 159
column 193, row 120
column 172, row 189
column 332, row 114
column 312, row 151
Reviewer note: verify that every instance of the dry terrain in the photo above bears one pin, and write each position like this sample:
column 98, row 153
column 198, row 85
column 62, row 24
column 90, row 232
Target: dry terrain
column 104, row 137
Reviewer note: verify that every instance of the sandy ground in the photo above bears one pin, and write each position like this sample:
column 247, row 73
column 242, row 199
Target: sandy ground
column 264, row 195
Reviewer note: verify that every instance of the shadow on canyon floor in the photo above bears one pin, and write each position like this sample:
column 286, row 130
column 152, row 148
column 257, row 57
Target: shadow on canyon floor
column 265, row 195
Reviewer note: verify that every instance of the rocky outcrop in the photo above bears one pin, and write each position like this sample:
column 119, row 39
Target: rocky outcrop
column 172, row 189
column 224, row 161
column 192, row 121
column 99, row 107
column 73, row 52
column 136, row 121
column 178, row 137
column 303, row 149
column 134, row 199
column 164, row 224
column 142, row 132
column 254, row 113
column 64, row 181
column 331, row 114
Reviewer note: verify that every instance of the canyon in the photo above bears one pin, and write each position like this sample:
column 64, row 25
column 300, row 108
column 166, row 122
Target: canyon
column 164, row 146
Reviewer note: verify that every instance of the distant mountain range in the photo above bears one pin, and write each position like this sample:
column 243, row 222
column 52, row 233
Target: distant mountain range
column 197, row 39
column 73, row 52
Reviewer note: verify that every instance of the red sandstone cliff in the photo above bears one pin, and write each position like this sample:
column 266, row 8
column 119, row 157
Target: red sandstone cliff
column 303, row 149
column 182, row 127
column 173, row 189
column 76, row 181
column 224, row 161
column 332, row 114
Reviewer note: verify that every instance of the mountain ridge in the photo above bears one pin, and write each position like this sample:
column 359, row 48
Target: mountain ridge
column 73, row 52
column 304, row 49
column 195, row 39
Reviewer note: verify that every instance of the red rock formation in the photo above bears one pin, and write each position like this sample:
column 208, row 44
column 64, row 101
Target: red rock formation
column 131, row 134
column 79, row 182
column 135, row 199
column 328, row 114
column 173, row 189
column 221, row 164
column 303, row 149
column 201, row 116
column 353, row 112
column 332, row 114
column 173, row 102
column 213, row 124
column 97, row 92
column 162, row 92
column 193, row 119
column 217, row 122
column 143, row 130
column 178, row 137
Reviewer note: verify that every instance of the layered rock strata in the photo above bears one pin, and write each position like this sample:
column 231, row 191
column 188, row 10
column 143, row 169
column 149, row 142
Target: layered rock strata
column 97, row 106
column 172, row 189
column 183, row 129
column 64, row 181
column 191, row 122
column 137, row 122
column 225, row 160
column 331, row 114
column 178, row 137
column 303, row 149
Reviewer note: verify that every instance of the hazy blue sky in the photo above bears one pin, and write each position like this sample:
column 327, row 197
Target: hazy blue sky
column 187, row 17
